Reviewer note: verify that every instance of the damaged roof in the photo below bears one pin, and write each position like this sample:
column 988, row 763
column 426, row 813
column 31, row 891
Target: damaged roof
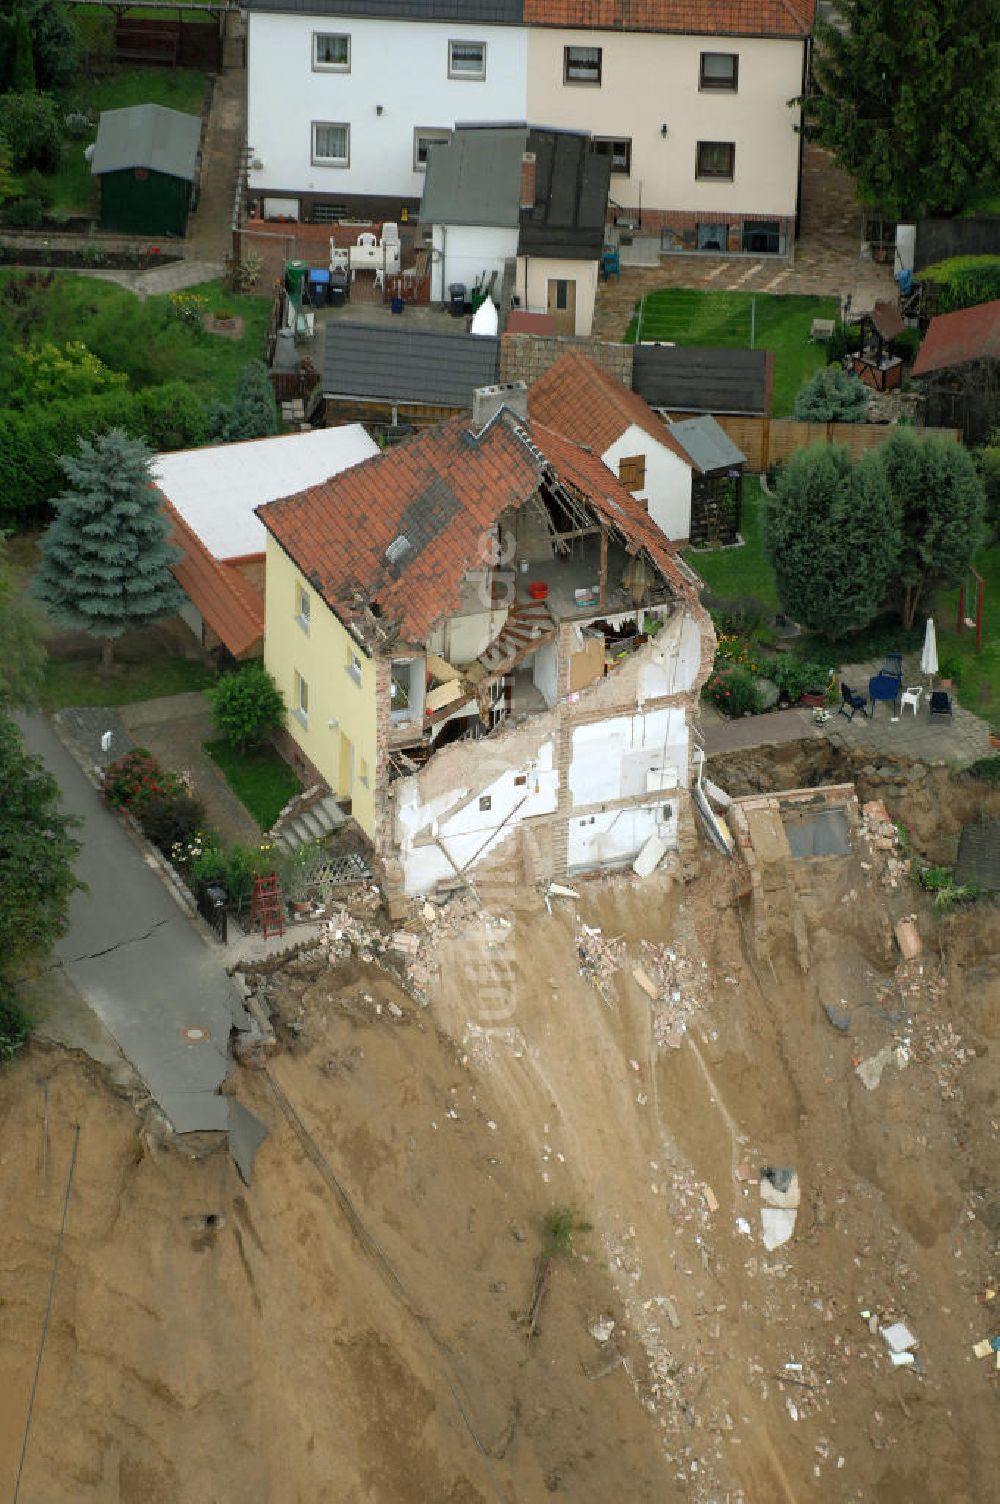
column 399, row 532
column 590, row 407
column 226, row 600
column 400, row 364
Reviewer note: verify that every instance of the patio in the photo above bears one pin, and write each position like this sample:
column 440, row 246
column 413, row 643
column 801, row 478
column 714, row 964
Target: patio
column 961, row 741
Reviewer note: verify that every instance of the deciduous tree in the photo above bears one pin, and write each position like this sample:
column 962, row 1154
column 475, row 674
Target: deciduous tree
column 105, row 559
column 908, row 97
column 941, row 502
column 832, row 534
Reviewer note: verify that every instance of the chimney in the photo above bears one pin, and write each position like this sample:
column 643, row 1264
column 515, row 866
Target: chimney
column 488, row 400
column 528, row 180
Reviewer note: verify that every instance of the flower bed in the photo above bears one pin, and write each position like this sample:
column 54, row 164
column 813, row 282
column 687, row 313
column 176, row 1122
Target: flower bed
column 84, row 258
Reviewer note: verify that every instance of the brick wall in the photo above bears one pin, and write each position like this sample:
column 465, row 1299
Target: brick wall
column 526, row 357
column 682, row 226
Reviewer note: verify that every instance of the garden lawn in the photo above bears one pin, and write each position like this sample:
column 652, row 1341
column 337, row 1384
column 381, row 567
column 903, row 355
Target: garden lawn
column 68, row 682
column 740, row 572
column 781, row 323
column 144, row 340
column 73, row 188
column 261, row 779
column 977, row 676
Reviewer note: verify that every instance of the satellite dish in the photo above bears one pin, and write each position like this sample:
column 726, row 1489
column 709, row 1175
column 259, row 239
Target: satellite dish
column 485, row 320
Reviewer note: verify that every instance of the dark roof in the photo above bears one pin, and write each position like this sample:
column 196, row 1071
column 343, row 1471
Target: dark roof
column 407, row 365
column 150, row 136
column 953, row 339
column 497, row 12
column 692, row 379
column 571, row 197
column 474, row 179
column 888, row 320
column 400, row 530
column 979, row 856
column 747, row 18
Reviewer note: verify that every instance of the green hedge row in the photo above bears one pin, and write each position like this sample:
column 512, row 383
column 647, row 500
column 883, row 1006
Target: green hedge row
column 963, row 282
column 31, row 442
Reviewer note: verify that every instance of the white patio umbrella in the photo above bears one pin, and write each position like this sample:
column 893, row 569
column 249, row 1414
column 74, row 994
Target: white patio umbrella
column 928, row 653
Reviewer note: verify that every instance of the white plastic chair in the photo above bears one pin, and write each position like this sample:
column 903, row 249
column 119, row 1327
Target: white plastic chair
column 390, row 233
column 340, row 260
column 367, row 238
column 911, row 697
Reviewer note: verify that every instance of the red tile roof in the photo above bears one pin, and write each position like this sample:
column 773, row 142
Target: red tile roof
column 228, row 603
column 519, row 322
column 748, row 18
column 953, row 339
column 590, row 407
column 441, row 492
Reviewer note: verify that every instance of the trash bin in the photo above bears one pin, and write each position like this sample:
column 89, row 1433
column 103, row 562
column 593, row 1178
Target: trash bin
column 456, row 299
column 295, row 277
column 338, row 289
column 319, row 286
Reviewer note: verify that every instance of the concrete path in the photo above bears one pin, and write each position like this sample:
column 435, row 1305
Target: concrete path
column 175, row 277
column 767, row 730
column 139, row 962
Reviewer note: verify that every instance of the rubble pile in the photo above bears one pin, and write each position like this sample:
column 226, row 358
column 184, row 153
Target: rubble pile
column 600, row 959
column 681, row 990
column 882, row 837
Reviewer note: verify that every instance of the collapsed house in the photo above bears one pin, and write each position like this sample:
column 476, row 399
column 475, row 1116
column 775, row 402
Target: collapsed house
column 490, row 653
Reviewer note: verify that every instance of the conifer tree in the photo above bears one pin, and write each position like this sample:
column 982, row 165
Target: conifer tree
column 105, row 559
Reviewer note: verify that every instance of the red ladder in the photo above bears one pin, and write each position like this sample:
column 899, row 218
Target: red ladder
column 268, row 906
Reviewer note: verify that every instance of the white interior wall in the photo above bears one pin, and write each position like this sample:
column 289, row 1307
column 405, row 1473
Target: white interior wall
column 545, row 671
column 467, row 254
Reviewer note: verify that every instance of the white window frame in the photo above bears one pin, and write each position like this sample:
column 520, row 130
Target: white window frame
column 434, row 135
column 587, row 83
column 466, row 73
column 300, row 710
column 337, row 125
column 302, row 602
column 319, row 67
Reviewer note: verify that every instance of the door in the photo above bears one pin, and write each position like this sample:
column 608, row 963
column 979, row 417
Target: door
column 346, row 780
column 562, row 304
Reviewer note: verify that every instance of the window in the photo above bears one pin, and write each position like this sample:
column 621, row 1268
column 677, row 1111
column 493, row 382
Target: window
column 712, row 237
column 423, row 140
column 581, row 65
column 762, row 237
column 715, row 159
column 331, row 52
column 632, row 472
column 467, row 60
column 485, row 802
column 619, row 150
column 719, row 70
column 302, row 608
column 331, row 145
column 363, row 771
column 354, row 668
column 562, row 294
column 300, row 708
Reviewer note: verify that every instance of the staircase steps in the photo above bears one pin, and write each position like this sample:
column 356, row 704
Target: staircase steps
column 314, row 824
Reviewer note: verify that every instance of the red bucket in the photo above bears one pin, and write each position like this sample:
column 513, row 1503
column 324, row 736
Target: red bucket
column 538, row 590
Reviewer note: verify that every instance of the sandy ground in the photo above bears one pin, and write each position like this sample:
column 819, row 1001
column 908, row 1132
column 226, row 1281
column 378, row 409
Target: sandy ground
column 353, row 1327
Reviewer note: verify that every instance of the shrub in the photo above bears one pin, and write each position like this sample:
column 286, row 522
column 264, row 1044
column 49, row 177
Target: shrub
column 58, row 373
column 963, row 281
column 987, row 770
column 187, row 308
column 731, row 649
column 31, row 127
column 831, row 396
column 14, row 1026
column 160, row 801
column 25, row 213
column 167, row 417
column 733, row 692
column 247, row 706
column 794, row 676
column 845, row 340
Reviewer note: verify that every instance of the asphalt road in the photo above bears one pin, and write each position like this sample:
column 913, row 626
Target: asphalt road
column 138, row 960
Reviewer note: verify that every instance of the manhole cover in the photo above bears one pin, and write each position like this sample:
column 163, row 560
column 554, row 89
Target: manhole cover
column 195, row 1036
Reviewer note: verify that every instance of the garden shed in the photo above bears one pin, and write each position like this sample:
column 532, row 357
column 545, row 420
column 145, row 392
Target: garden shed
column 146, row 158
column 716, row 481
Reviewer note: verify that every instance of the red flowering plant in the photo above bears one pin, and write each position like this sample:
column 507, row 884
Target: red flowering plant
column 733, row 692
column 160, row 801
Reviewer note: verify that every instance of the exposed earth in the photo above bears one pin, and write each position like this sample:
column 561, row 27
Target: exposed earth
column 373, row 1320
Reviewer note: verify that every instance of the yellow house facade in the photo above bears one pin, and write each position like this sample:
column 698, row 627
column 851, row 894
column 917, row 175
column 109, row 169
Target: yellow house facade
column 328, row 682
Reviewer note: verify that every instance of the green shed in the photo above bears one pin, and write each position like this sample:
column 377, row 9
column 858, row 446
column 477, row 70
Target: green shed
column 146, row 159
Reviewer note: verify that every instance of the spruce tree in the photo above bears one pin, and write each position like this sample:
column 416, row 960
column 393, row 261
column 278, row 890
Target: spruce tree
column 105, row 559
column 907, row 95
column 252, row 414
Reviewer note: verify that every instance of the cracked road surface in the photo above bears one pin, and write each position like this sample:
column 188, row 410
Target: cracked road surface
column 139, row 962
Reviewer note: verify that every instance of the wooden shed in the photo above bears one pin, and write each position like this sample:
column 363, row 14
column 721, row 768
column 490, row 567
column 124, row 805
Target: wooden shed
column 146, row 159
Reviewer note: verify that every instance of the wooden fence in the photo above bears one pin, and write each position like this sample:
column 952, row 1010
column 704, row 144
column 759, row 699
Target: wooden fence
column 764, row 441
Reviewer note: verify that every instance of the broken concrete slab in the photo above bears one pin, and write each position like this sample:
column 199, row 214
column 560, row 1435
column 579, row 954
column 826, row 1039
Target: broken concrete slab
column 908, row 939
column 646, row 982
column 869, row 1072
column 246, row 1134
column 779, row 1187
column 898, row 1337
column 650, row 856
column 777, row 1225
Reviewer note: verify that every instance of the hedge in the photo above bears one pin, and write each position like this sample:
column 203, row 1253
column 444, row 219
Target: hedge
column 964, row 282
column 31, row 442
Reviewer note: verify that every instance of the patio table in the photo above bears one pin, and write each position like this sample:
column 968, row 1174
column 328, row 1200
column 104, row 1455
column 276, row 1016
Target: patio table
column 883, row 687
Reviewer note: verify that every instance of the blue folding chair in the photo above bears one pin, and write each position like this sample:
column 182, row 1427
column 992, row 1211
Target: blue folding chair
column 893, row 666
